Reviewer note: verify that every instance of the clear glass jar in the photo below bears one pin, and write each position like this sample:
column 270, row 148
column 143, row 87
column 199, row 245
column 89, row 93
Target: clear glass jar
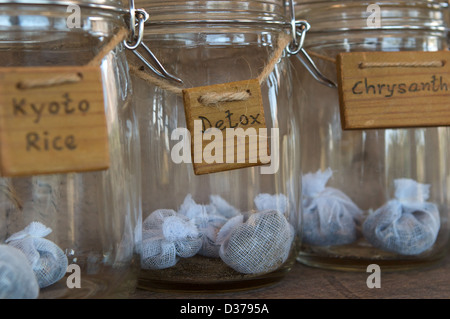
column 94, row 217
column 206, row 43
column 446, row 7
column 355, row 182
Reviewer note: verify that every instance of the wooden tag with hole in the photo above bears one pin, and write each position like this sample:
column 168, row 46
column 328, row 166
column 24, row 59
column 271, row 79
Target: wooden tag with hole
column 214, row 148
column 50, row 129
column 394, row 89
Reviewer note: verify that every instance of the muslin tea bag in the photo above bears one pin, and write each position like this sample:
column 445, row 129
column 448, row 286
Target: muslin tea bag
column 166, row 236
column 330, row 217
column 257, row 245
column 223, row 207
column 209, row 219
column 47, row 260
column 265, row 201
column 17, row 278
column 406, row 225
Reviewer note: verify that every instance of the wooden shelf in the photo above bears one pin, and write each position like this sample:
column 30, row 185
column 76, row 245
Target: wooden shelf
column 307, row 282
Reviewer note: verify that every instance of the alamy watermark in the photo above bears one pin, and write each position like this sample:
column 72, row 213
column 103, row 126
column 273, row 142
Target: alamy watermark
column 74, row 279
column 374, row 280
column 73, row 21
column 374, row 19
column 213, row 152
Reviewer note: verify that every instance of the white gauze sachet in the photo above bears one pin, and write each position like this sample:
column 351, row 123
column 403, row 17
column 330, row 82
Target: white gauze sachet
column 277, row 202
column 223, row 208
column 259, row 245
column 208, row 220
column 17, row 278
column 47, row 260
column 406, row 225
column 166, row 236
column 329, row 216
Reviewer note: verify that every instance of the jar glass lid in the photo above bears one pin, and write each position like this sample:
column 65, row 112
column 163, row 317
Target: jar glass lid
column 216, row 11
column 116, row 5
column 345, row 15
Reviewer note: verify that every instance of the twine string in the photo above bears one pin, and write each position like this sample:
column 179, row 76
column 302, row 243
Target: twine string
column 75, row 77
column 426, row 64
column 155, row 80
column 215, row 98
column 115, row 40
column 321, row 56
column 52, row 80
column 367, row 65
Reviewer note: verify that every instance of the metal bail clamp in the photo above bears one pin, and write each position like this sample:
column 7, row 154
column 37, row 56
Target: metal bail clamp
column 138, row 17
column 299, row 28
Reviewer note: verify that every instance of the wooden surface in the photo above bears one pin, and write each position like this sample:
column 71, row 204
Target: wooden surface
column 307, row 282
column 394, row 89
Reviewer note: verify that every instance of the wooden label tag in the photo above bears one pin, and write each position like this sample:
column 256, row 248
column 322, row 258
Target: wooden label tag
column 394, row 89
column 52, row 120
column 229, row 132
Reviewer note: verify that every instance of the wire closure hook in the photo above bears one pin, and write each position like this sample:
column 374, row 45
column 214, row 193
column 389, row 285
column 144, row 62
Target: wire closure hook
column 161, row 72
column 309, row 64
column 299, row 28
column 141, row 16
column 298, row 31
column 138, row 17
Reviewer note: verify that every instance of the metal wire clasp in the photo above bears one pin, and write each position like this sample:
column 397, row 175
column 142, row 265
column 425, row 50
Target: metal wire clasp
column 138, row 17
column 299, row 28
column 298, row 31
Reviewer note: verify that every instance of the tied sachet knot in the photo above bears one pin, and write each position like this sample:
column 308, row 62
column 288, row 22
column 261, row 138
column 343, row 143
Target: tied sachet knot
column 48, row 261
column 408, row 224
column 330, row 217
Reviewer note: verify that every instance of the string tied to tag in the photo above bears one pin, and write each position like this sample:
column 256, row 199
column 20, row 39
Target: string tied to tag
column 399, row 64
column 215, row 98
column 49, row 81
column 424, row 64
column 67, row 78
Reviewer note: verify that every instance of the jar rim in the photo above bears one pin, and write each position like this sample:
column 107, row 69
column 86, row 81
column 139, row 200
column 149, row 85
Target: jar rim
column 273, row 23
column 442, row 3
column 330, row 16
column 95, row 4
column 385, row 28
column 175, row 12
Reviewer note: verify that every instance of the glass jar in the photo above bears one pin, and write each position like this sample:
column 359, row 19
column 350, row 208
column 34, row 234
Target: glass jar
column 369, row 195
column 446, row 6
column 224, row 217
column 90, row 220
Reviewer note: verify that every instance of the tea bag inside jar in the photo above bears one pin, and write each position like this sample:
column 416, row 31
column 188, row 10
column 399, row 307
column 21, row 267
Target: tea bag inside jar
column 329, row 216
column 209, row 219
column 167, row 236
column 258, row 245
column 48, row 261
column 408, row 224
column 17, row 279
